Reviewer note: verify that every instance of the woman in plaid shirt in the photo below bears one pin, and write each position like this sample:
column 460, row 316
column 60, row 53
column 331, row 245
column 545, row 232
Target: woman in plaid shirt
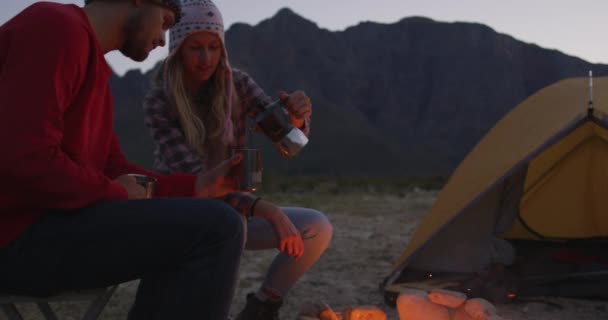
column 197, row 113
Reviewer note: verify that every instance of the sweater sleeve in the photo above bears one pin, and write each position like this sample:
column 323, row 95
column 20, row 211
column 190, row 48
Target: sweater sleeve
column 174, row 185
column 252, row 96
column 39, row 79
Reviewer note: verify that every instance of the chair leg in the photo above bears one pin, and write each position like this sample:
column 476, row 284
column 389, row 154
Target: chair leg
column 46, row 310
column 11, row 312
column 97, row 305
column 92, row 313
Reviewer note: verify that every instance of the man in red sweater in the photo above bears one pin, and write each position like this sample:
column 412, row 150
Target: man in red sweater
column 70, row 216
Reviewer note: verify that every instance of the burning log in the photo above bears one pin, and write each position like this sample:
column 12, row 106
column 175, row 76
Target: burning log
column 461, row 314
column 329, row 314
column 447, row 298
column 365, row 313
column 480, row 309
column 322, row 311
column 413, row 304
column 416, row 305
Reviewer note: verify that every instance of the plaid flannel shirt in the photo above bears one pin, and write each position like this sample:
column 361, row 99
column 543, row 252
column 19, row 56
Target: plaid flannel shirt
column 173, row 154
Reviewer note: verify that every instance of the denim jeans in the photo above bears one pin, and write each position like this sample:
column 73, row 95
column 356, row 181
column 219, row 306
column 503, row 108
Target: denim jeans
column 284, row 272
column 185, row 251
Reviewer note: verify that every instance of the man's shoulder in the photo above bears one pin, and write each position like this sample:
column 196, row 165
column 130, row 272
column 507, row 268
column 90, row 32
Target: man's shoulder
column 45, row 8
column 57, row 34
column 64, row 20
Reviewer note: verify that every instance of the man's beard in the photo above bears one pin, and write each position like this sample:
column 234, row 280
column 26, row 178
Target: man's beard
column 134, row 47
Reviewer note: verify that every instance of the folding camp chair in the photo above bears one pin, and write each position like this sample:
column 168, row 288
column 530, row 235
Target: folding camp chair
column 98, row 297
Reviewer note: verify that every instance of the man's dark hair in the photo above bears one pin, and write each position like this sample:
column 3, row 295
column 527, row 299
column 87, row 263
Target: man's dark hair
column 173, row 5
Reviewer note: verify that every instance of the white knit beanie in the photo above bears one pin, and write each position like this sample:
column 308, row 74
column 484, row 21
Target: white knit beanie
column 198, row 16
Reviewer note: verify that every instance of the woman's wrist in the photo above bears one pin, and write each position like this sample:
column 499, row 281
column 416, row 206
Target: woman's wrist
column 266, row 210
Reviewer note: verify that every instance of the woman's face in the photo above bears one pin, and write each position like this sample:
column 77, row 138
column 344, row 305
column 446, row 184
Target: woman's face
column 201, row 53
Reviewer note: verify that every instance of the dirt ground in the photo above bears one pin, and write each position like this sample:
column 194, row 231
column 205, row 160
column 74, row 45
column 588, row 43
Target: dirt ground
column 370, row 232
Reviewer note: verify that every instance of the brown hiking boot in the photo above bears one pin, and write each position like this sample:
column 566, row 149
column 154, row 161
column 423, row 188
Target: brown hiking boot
column 260, row 310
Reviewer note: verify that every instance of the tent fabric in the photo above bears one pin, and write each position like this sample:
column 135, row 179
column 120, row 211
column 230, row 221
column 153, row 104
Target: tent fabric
column 470, row 243
column 577, row 167
column 550, row 142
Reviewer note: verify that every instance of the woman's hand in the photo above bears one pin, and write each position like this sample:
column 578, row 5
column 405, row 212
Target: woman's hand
column 290, row 240
column 216, row 182
column 298, row 105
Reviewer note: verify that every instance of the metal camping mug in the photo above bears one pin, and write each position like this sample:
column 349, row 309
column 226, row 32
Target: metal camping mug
column 248, row 173
column 147, row 182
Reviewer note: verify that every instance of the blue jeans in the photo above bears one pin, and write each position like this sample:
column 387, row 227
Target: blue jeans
column 185, row 251
column 284, row 272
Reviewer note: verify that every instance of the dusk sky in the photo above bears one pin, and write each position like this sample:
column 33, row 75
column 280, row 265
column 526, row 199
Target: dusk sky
column 576, row 28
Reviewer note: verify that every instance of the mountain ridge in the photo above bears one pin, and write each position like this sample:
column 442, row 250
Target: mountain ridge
column 408, row 98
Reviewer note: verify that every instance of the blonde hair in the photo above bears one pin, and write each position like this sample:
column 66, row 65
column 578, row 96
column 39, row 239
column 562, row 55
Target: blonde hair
column 202, row 119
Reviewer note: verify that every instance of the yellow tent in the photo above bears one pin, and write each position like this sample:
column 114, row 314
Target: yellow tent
column 541, row 173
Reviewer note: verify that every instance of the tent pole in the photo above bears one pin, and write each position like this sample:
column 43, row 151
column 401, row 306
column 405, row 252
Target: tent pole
column 590, row 103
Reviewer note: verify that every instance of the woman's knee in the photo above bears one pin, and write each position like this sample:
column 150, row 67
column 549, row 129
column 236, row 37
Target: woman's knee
column 316, row 225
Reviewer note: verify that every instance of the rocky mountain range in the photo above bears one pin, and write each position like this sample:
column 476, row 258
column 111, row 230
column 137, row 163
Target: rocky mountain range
column 404, row 99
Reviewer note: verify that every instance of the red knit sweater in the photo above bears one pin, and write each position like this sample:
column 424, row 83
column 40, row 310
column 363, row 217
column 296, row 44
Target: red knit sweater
column 56, row 114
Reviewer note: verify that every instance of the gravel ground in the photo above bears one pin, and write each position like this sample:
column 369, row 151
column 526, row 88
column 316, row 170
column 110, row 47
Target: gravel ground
column 370, row 232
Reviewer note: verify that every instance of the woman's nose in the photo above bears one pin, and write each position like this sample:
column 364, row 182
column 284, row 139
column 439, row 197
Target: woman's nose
column 203, row 54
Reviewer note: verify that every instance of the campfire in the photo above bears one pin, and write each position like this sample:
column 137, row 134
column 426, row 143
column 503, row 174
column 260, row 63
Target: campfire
column 413, row 304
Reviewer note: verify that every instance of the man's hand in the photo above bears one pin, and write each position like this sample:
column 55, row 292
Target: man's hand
column 290, row 240
column 134, row 190
column 215, row 182
column 298, row 105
